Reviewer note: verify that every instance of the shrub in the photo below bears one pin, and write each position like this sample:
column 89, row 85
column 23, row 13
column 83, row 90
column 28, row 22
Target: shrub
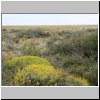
column 70, row 60
column 29, row 48
column 92, row 75
column 54, row 49
column 45, row 33
column 11, row 66
column 78, row 69
column 66, row 61
column 25, row 60
column 89, row 44
column 25, row 34
column 37, row 75
column 15, row 30
column 73, row 80
column 4, row 29
column 31, row 33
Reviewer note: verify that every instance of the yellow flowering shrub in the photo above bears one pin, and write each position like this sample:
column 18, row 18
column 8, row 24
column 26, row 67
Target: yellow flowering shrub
column 25, row 60
column 37, row 75
column 10, row 67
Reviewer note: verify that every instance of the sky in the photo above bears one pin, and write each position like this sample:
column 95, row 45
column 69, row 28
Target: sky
column 49, row 19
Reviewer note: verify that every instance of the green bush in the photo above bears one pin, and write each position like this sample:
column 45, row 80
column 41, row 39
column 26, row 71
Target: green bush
column 25, row 34
column 11, row 66
column 37, row 75
column 4, row 29
column 45, row 33
column 89, row 44
column 66, row 61
column 31, row 33
column 92, row 75
column 54, row 49
column 78, row 69
column 70, row 60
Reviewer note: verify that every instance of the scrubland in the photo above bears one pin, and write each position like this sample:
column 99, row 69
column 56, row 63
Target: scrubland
column 56, row 55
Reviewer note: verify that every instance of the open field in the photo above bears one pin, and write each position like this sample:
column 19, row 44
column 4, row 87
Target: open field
column 51, row 55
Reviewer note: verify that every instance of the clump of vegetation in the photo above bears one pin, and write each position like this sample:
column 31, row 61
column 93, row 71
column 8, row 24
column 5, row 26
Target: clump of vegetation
column 37, row 75
column 75, row 81
column 33, row 33
column 28, row 48
column 25, row 60
column 92, row 74
column 11, row 66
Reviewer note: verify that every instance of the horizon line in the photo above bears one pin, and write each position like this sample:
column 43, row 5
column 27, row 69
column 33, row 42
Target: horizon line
column 54, row 25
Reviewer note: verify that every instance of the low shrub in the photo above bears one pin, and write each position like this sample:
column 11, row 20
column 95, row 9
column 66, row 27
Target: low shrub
column 29, row 48
column 89, row 44
column 73, row 80
column 37, row 75
column 25, row 34
column 78, row 69
column 25, row 60
column 92, row 75
column 31, row 33
column 70, row 60
column 11, row 66
column 4, row 29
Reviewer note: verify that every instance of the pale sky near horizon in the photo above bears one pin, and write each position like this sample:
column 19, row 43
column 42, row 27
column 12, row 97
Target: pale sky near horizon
column 49, row 19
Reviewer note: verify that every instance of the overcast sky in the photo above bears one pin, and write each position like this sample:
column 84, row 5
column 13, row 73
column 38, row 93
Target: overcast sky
column 49, row 19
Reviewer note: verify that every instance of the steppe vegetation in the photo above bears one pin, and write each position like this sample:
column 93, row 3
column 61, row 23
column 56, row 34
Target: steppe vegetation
column 50, row 55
